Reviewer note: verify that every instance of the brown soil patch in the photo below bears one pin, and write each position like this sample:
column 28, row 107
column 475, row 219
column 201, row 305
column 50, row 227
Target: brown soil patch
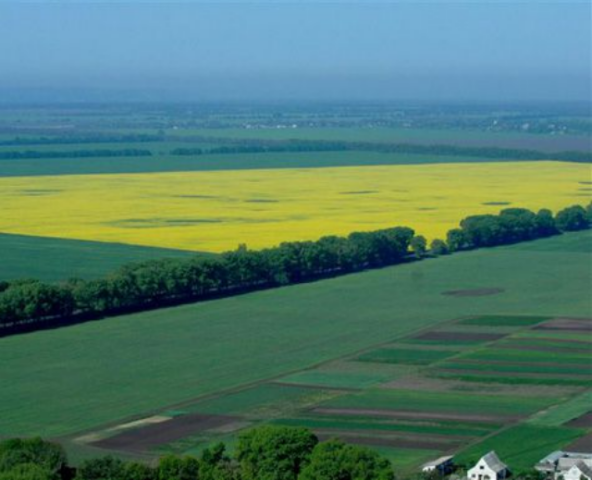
column 569, row 324
column 383, row 441
column 581, row 445
column 493, row 374
column 150, row 436
column 414, row 415
column 315, row 386
column 475, row 292
column 464, row 336
column 584, row 421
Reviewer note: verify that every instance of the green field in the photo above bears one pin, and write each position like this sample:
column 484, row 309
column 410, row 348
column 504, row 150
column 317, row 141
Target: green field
column 286, row 329
column 243, row 161
column 222, row 356
column 441, row 402
column 51, row 259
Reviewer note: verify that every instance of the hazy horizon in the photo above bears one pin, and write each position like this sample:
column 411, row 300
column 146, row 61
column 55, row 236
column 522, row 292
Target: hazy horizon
column 194, row 51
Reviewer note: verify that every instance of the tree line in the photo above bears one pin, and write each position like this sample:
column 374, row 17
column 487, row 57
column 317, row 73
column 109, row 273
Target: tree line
column 265, row 146
column 262, row 453
column 31, row 304
column 34, row 154
column 75, row 139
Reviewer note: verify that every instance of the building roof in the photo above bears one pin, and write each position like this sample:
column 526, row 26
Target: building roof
column 437, row 462
column 566, row 463
column 585, row 468
column 493, row 462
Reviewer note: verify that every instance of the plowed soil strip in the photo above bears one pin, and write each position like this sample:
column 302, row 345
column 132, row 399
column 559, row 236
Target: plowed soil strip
column 515, row 374
column 146, row 438
column 584, row 421
column 581, row 445
column 567, row 324
column 414, row 415
column 486, row 337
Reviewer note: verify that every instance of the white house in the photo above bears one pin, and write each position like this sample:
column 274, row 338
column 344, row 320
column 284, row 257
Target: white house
column 490, row 467
column 582, row 470
column 567, row 465
column 442, row 465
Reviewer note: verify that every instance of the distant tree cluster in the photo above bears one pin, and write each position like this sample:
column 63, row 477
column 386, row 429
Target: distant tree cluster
column 263, row 146
column 34, row 154
column 31, row 304
column 263, row 453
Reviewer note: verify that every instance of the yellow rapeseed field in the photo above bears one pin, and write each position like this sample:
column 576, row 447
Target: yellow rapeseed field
column 216, row 211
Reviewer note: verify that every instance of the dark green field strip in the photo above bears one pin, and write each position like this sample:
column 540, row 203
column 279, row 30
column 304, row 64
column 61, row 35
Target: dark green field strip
column 406, row 356
column 173, row 163
column 426, row 401
column 540, row 344
column 52, row 259
column 503, row 320
column 582, row 360
column 323, row 424
column 557, row 335
column 521, row 446
column 578, row 370
column 489, row 378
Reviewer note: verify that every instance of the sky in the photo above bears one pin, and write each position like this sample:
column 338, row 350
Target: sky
column 397, row 50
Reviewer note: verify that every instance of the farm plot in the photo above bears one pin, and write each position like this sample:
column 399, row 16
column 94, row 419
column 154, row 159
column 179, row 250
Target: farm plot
column 215, row 211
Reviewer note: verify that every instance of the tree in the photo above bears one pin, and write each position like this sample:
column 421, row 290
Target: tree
column 274, row 453
column 138, row 471
column 215, row 464
column 28, row 471
column 572, row 219
column 456, row 240
column 104, row 468
column 419, row 245
column 16, row 452
column 545, row 223
column 334, row 460
column 438, row 247
column 178, row 468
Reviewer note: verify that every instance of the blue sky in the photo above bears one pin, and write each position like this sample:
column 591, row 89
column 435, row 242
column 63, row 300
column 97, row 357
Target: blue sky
column 401, row 50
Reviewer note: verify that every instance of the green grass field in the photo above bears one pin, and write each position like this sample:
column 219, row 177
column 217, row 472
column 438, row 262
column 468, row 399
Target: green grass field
column 127, row 367
column 52, row 259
